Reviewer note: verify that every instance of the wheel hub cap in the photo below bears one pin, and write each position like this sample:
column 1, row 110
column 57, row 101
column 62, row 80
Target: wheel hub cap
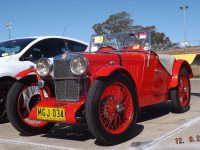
column 119, row 108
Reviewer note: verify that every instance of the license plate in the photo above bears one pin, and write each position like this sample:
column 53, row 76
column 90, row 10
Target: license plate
column 51, row 114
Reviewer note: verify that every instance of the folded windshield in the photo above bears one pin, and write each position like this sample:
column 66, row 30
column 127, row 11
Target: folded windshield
column 12, row 47
column 120, row 41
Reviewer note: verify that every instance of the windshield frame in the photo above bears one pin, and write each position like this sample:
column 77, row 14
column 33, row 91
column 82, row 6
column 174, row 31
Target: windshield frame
column 135, row 34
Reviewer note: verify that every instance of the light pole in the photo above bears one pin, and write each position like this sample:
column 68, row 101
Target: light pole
column 184, row 8
column 9, row 27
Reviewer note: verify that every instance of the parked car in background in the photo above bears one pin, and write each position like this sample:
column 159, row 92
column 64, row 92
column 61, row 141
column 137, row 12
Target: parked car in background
column 106, row 87
column 20, row 54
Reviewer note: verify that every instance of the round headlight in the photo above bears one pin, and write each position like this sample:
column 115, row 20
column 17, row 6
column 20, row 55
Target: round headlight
column 44, row 67
column 79, row 65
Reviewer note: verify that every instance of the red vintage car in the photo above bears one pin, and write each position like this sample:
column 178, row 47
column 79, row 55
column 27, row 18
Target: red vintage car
column 106, row 87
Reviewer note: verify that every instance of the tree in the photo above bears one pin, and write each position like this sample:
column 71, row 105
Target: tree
column 121, row 22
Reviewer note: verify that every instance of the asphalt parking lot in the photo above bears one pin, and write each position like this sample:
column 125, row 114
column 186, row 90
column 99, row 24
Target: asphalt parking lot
column 158, row 129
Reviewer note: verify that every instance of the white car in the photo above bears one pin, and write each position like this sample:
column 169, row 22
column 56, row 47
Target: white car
column 17, row 55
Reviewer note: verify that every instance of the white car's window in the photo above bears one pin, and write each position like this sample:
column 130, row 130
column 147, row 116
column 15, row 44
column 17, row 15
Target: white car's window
column 12, row 47
column 49, row 48
column 46, row 48
column 76, row 47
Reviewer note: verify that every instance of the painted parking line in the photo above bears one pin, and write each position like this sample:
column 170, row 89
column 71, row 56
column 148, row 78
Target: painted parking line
column 170, row 134
column 6, row 141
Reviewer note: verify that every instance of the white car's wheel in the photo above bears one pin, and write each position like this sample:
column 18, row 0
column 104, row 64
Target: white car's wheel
column 4, row 89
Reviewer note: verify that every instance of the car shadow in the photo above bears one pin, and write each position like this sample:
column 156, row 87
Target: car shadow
column 195, row 94
column 155, row 111
column 138, row 130
column 80, row 132
column 2, row 121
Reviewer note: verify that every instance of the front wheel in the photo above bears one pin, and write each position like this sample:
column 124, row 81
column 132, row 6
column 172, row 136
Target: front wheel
column 112, row 109
column 180, row 96
column 4, row 88
column 22, row 97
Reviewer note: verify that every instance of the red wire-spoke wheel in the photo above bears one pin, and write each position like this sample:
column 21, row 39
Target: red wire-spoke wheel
column 183, row 90
column 22, row 98
column 111, row 109
column 28, row 98
column 116, row 108
column 180, row 96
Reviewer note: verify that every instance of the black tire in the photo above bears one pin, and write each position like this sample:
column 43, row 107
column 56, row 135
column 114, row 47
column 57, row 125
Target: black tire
column 92, row 113
column 4, row 89
column 12, row 112
column 177, row 106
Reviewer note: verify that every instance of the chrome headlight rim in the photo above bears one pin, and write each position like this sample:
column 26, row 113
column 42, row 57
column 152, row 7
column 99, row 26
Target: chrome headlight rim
column 72, row 68
column 49, row 67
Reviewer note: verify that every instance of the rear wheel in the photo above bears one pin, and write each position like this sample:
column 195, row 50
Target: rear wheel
column 180, row 96
column 112, row 109
column 22, row 97
column 4, row 89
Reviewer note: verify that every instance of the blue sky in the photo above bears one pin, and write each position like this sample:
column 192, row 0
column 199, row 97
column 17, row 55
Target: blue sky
column 51, row 17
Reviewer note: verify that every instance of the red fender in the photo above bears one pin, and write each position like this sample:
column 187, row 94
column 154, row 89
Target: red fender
column 108, row 70
column 175, row 72
column 26, row 72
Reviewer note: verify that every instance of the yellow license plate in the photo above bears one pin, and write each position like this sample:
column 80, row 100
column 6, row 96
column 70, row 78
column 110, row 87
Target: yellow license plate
column 51, row 114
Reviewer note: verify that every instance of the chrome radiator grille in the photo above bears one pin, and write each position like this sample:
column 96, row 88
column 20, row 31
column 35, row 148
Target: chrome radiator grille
column 66, row 85
column 62, row 69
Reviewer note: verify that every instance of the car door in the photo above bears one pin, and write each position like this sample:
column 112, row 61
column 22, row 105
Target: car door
column 160, row 80
column 146, row 95
column 155, row 83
